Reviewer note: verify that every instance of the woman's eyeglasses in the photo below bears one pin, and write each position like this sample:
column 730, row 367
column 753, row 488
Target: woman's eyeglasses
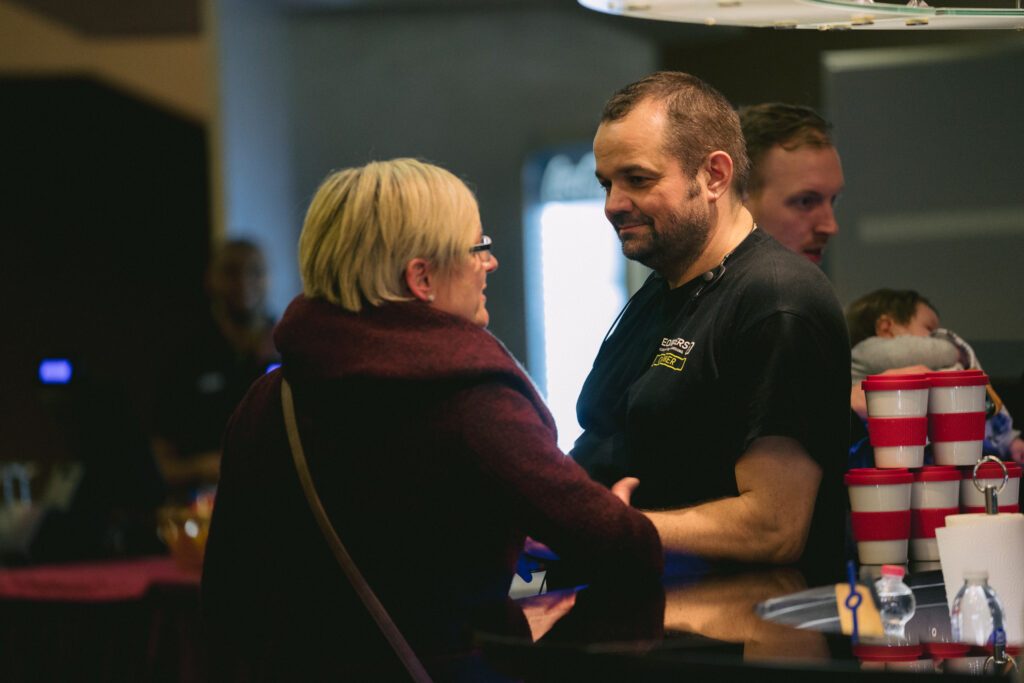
column 483, row 249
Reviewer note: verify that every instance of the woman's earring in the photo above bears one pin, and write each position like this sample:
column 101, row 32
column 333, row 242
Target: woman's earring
column 430, row 297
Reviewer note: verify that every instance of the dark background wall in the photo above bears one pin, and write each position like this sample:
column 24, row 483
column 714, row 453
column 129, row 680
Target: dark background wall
column 106, row 232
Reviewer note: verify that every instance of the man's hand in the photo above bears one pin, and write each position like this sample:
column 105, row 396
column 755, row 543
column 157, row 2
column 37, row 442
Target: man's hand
column 624, row 488
column 543, row 611
column 767, row 522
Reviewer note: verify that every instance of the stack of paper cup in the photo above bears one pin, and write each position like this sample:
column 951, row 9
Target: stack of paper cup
column 897, row 418
column 972, row 499
column 956, row 416
column 880, row 513
column 934, row 495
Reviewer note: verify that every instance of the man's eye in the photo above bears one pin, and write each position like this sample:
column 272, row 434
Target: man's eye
column 806, row 202
column 636, row 180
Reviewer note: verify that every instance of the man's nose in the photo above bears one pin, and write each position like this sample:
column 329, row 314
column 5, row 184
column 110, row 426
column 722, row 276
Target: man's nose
column 828, row 224
column 617, row 202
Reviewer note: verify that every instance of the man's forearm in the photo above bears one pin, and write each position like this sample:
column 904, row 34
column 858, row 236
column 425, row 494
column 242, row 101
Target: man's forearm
column 724, row 529
column 767, row 522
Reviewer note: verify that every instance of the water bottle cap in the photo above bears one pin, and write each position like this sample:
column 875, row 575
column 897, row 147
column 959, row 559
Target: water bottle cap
column 893, row 570
column 975, row 575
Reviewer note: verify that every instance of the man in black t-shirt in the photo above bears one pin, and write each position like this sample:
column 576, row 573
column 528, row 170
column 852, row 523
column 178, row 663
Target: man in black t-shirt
column 724, row 386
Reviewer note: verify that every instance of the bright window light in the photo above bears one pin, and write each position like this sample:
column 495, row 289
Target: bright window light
column 584, row 287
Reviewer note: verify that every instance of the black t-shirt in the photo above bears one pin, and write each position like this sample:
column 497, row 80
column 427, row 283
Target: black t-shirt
column 201, row 387
column 691, row 376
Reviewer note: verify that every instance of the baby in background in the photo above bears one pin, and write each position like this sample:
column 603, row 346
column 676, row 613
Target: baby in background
column 898, row 332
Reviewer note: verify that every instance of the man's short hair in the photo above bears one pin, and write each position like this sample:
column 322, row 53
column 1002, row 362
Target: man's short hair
column 230, row 247
column 365, row 224
column 790, row 126
column 701, row 120
column 899, row 304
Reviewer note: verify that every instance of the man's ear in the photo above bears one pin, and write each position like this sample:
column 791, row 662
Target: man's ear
column 883, row 326
column 718, row 169
column 418, row 279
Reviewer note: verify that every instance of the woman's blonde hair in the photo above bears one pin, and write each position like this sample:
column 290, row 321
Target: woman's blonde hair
column 365, row 224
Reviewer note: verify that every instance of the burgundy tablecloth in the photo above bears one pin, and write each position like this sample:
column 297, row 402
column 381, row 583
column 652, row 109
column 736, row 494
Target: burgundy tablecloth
column 126, row 620
column 113, row 581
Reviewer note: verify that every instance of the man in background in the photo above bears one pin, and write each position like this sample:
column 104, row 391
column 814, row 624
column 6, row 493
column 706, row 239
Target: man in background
column 213, row 369
column 795, row 176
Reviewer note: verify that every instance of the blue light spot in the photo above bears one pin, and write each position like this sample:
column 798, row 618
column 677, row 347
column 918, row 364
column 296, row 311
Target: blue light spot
column 271, row 367
column 55, row 371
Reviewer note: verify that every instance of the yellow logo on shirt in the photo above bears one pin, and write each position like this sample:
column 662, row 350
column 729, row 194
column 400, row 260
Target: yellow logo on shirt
column 670, row 361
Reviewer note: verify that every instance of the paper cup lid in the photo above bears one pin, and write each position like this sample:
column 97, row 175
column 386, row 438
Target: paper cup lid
column 894, row 382
column 937, row 473
column 894, row 653
column 987, row 649
column 946, row 650
column 992, row 470
column 872, row 476
column 957, row 378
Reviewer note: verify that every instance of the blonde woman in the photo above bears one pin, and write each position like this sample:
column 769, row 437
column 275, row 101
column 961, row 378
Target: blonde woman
column 430, row 448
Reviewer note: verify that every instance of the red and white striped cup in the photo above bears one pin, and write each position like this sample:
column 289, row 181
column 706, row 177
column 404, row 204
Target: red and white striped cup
column 991, row 474
column 956, row 416
column 897, row 418
column 934, row 495
column 880, row 513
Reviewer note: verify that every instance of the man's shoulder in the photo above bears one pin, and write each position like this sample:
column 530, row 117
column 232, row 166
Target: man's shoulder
column 776, row 279
column 766, row 281
column 773, row 263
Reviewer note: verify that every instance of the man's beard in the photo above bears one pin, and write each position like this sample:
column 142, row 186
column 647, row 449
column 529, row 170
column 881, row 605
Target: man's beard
column 676, row 245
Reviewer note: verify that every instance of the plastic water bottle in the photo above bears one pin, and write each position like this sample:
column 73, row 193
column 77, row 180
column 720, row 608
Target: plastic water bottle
column 896, row 603
column 977, row 616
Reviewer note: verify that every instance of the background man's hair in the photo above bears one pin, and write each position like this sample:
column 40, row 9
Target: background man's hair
column 790, row 126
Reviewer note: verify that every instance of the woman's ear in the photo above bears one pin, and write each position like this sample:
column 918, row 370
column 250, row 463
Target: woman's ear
column 418, row 280
column 883, row 326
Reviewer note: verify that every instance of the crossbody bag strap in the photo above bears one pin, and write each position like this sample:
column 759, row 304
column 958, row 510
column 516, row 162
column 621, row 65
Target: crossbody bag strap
column 366, row 594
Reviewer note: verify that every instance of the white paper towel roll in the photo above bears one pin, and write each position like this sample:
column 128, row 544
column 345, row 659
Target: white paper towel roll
column 994, row 543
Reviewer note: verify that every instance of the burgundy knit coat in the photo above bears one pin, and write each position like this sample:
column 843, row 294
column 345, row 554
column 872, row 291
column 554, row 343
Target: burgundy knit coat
column 434, row 457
